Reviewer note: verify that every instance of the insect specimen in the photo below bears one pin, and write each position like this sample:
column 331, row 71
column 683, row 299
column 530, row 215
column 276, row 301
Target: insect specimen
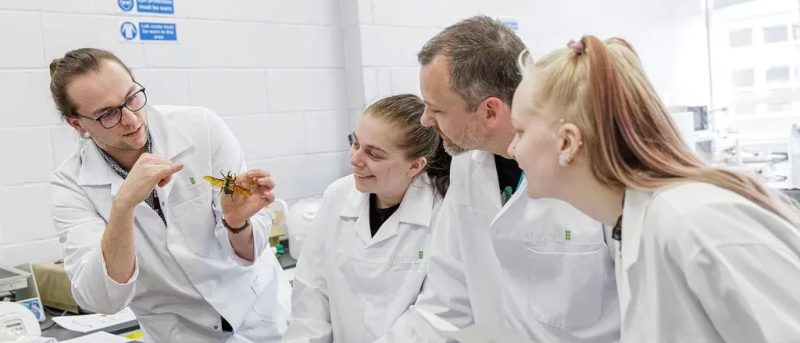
column 227, row 184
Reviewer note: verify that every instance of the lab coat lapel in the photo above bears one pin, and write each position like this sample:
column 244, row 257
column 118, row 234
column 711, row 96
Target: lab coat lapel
column 94, row 170
column 520, row 192
column 485, row 187
column 636, row 203
column 633, row 213
column 415, row 209
column 99, row 181
column 168, row 141
column 356, row 208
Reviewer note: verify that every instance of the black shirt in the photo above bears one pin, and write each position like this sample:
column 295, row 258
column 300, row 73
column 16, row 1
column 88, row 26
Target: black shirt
column 508, row 175
column 378, row 216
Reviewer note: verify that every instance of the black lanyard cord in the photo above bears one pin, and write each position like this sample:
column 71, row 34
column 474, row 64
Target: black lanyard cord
column 616, row 233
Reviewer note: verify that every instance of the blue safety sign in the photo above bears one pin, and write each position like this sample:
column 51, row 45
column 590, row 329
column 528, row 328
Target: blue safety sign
column 156, row 6
column 512, row 24
column 128, row 30
column 158, row 32
column 125, row 5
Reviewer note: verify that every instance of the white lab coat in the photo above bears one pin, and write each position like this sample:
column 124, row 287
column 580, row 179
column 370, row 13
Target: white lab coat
column 187, row 274
column 699, row 263
column 533, row 281
column 349, row 286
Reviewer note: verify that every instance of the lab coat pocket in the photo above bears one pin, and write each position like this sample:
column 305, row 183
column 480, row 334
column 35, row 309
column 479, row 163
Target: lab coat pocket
column 195, row 221
column 272, row 292
column 404, row 264
column 406, row 275
column 394, row 292
column 268, row 319
column 559, row 284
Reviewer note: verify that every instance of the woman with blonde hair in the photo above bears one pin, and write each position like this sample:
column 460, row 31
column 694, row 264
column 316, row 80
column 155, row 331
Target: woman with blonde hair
column 702, row 254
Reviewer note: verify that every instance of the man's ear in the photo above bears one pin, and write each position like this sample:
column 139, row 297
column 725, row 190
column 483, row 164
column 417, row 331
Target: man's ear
column 493, row 111
column 77, row 125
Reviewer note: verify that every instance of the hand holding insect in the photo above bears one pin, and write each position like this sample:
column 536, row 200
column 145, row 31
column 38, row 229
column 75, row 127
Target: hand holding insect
column 243, row 195
column 148, row 172
column 227, row 184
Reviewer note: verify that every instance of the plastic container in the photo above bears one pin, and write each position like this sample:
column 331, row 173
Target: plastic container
column 299, row 220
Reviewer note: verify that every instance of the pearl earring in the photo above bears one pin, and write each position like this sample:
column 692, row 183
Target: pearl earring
column 562, row 161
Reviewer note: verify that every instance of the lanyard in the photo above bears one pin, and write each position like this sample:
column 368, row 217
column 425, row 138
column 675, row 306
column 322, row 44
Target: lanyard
column 616, row 233
column 507, row 192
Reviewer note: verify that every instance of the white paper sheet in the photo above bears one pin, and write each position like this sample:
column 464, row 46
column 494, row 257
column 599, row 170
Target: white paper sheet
column 92, row 322
column 98, row 337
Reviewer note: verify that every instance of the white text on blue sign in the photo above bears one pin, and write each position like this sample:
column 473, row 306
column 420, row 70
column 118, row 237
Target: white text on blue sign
column 156, row 6
column 158, row 32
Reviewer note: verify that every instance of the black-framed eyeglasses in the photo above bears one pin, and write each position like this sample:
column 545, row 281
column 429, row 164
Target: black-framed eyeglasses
column 113, row 116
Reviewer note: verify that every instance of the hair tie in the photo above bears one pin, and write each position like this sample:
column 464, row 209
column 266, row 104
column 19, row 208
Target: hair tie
column 577, row 46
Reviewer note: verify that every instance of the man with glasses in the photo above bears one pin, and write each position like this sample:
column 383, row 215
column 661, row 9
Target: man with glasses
column 140, row 227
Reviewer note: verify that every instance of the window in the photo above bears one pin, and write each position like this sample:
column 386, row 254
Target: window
column 780, row 95
column 780, row 107
column 778, row 74
column 755, row 87
column 744, row 109
column 743, row 78
column 774, row 34
column 741, row 37
column 744, row 103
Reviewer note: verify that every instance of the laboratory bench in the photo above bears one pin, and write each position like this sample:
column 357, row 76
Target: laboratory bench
column 51, row 329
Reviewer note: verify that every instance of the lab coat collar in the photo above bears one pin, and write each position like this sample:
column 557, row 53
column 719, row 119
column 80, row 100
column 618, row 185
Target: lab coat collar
column 515, row 198
column 94, row 170
column 479, row 156
column 355, row 202
column 167, row 140
column 483, row 193
column 633, row 213
column 417, row 205
column 416, row 208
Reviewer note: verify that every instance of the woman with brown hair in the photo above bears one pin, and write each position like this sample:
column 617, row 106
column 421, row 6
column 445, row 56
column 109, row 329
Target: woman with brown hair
column 363, row 263
column 702, row 254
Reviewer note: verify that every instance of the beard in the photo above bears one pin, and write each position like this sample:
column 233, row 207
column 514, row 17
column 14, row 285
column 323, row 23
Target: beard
column 451, row 148
column 471, row 138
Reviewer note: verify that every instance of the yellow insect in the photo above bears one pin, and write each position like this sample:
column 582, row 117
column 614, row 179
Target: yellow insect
column 227, row 184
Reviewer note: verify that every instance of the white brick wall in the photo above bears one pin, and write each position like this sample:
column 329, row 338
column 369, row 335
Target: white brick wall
column 273, row 69
column 668, row 34
column 289, row 77
column 215, row 89
column 23, row 32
